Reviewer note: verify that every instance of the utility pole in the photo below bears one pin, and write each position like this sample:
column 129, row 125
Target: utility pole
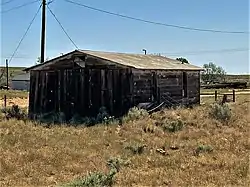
column 7, row 74
column 43, row 31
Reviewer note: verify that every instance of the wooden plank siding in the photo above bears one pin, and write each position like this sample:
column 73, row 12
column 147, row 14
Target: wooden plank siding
column 85, row 90
column 193, row 87
column 32, row 94
column 150, row 85
column 142, row 86
column 81, row 91
column 170, row 82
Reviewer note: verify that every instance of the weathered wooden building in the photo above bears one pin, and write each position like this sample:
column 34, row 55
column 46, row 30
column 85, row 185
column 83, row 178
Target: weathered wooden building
column 82, row 81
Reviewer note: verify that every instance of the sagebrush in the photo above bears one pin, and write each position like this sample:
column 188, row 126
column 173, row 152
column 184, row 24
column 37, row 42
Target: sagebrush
column 221, row 112
column 173, row 125
column 136, row 147
column 203, row 149
column 135, row 114
column 97, row 179
column 15, row 112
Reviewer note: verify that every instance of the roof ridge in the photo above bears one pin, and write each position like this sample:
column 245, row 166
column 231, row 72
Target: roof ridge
column 87, row 50
column 123, row 53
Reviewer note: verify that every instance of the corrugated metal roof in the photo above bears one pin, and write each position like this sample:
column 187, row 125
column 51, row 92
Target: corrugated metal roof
column 140, row 61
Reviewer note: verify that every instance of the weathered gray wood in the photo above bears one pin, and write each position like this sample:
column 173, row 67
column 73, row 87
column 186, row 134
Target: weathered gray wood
column 85, row 90
column 36, row 93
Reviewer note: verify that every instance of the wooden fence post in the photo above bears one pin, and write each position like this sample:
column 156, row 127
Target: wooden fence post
column 5, row 102
column 215, row 95
column 233, row 95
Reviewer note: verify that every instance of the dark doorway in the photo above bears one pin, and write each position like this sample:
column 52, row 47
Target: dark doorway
column 184, row 85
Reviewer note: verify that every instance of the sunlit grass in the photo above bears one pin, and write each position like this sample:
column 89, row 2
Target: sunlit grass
column 13, row 94
column 32, row 155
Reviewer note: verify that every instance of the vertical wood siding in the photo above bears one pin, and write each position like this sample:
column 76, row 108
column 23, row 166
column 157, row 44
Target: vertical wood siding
column 81, row 91
column 84, row 91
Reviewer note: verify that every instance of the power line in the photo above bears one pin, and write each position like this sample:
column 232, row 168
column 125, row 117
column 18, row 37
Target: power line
column 62, row 28
column 20, row 6
column 51, row 1
column 211, row 51
column 7, row 2
column 26, row 32
column 205, row 52
column 157, row 23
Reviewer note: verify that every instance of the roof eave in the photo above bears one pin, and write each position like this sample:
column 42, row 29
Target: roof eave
column 54, row 59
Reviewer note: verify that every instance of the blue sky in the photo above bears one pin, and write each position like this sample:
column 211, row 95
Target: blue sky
column 98, row 31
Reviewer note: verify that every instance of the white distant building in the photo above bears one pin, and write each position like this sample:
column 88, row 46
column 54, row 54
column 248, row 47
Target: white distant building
column 21, row 82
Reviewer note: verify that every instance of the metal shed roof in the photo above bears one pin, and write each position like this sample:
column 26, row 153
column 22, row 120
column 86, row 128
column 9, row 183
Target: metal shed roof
column 137, row 61
column 21, row 77
column 140, row 61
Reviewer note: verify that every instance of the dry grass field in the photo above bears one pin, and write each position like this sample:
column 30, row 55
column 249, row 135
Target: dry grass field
column 202, row 151
column 19, row 98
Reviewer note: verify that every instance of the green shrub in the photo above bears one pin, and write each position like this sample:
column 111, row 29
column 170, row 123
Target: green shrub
column 110, row 120
column 203, row 149
column 59, row 118
column 102, row 115
column 220, row 112
column 15, row 112
column 99, row 178
column 102, row 118
column 52, row 118
column 173, row 126
column 78, row 120
column 116, row 163
column 94, row 179
column 135, row 114
column 136, row 148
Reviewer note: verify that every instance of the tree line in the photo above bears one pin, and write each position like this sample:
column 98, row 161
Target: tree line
column 212, row 73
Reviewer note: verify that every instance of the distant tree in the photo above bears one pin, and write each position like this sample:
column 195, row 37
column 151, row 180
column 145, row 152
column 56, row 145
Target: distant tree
column 38, row 61
column 183, row 60
column 213, row 73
